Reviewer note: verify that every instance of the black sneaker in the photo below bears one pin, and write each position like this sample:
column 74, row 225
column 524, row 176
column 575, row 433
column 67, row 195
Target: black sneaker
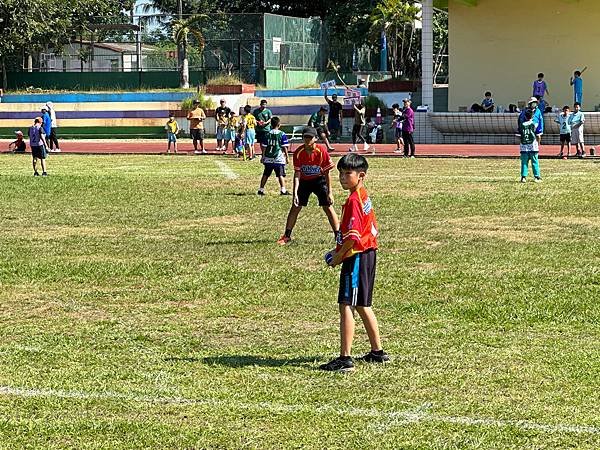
column 35, row 174
column 285, row 193
column 260, row 193
column 372, row 357
column 44, row 174
column 338, row 365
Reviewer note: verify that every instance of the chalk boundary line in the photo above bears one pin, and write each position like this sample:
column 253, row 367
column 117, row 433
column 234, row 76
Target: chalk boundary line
column 419, row 414
column 226, row 171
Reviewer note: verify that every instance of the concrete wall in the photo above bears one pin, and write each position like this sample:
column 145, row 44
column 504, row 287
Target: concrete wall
column 500, row 46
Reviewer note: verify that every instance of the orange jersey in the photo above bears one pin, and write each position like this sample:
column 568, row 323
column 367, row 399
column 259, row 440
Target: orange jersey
column 358, row 223
column 312, row 165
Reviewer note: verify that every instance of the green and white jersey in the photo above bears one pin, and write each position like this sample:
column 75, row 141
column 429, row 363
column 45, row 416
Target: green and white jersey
column 273, row 152
column 527, row 132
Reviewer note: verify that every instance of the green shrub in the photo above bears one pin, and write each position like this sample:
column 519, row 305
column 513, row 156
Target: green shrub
column 372, row 101
column 225, row 80
column 205, row 102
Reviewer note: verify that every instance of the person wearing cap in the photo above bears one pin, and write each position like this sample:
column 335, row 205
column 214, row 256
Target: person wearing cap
column 47, row 123
column 537, row 118
column 317, row 121
column 408, row 128
column 263, row 116
column 37, row 143
column 221, row 118
column 312, row 175
column 334, row 119
column 197, row 117
column 18, row 145
column 52, row 139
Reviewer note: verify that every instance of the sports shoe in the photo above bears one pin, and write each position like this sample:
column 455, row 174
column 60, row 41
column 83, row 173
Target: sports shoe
column 203, row 152
column 284, row 240
column 537, row 180
column 36, row 174
column 261, row 193
column 197, row 152
column 44, row 174
column 398, row 150
column 338, row 365
column 57, row 150
column 372, row 357
column 523, row 180
column 285, row 193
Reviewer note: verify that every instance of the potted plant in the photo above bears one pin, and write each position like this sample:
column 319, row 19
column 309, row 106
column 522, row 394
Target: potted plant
column 228, row 85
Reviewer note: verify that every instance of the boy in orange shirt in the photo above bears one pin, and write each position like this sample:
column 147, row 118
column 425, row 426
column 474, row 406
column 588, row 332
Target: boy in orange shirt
column 312, row 166
column 356, row 251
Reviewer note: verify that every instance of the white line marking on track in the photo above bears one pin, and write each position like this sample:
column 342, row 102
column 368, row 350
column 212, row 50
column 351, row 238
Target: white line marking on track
column 419, row 414
column 226, row 170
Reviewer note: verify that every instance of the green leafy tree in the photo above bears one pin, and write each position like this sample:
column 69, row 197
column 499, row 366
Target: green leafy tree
column 392, row 18
column 182, row 29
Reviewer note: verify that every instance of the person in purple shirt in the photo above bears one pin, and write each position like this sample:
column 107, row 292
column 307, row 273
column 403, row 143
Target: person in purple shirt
column 408, row 126
column 540, row 89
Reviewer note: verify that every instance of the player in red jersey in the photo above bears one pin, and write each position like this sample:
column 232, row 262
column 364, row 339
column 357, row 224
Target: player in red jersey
column 312, row 166
column 356, row 251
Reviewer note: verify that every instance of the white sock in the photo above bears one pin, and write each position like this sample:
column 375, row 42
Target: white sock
column 261, row 189
column 283, row 190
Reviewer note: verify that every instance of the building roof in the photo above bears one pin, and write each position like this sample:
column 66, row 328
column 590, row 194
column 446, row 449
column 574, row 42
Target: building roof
column 120, row 47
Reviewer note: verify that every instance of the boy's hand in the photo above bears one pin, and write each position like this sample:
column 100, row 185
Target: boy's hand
column 336, row 260
column 296, row 201
column 330, row 198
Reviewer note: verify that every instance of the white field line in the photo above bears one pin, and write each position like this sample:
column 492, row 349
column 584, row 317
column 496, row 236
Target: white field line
column 226, row 170
column 419, row 414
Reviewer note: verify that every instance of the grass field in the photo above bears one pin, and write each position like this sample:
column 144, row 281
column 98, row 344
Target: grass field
column 144, row 303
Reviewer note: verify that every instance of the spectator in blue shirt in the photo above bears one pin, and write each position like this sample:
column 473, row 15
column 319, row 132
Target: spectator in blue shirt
column 47, row 121
column 487, row 103
column 577, row 83
column 537, row 117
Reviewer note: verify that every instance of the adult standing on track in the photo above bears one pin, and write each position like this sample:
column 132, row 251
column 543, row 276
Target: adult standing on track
column 359, row 125
column 263, row 121
column 52, row 139
column 408, row 127
column 334, row 119
column 46, row 124
column 196, row 117
column 221, row 112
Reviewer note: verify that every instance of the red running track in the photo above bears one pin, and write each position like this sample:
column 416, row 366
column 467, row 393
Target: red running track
column 186, row 148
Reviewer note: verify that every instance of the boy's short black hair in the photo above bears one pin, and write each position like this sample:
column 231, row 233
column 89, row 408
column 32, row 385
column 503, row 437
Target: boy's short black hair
column 488, row 93
column 247, row 108
column 528, row 114
column 353, row 161
column 540, row 75
column 576, row 104
column 395, row 106
column 275, row 121
column 577, row 72
column 566, row 107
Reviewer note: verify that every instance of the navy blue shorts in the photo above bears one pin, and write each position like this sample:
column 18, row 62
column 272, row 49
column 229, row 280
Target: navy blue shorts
column 278, row 168
column 357, row 278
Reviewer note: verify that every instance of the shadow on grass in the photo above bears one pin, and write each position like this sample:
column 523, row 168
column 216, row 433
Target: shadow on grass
column 246, row 360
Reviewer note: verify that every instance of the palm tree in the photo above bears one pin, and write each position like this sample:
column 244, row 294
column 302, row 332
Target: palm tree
column 182, row 28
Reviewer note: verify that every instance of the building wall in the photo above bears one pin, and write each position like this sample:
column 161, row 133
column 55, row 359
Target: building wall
column 500, row 46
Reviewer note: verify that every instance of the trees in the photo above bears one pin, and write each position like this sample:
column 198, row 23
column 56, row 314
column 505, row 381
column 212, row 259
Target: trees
column 395, row 19
column 28, row 27
column 181, row 31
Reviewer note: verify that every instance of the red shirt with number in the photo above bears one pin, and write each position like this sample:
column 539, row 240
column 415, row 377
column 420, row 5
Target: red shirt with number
column 358, row 223
column 312, row 165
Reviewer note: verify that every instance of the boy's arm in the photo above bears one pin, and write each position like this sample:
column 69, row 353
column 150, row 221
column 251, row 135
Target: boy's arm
column 286, row 152
column 296, row 201
column 338, row 256
column 328, row 181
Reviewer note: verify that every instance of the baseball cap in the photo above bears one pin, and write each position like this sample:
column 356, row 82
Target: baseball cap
column 222, row 100
column 406, row 100
column 532, row 100
column 19, row 132
column 44, row 107
column 309, row 131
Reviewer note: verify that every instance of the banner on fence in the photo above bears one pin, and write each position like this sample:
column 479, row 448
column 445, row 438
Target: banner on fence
column 328, row 84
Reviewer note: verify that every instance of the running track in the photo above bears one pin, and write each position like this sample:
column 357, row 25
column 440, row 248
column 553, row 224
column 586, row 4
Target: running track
column 185, row 148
